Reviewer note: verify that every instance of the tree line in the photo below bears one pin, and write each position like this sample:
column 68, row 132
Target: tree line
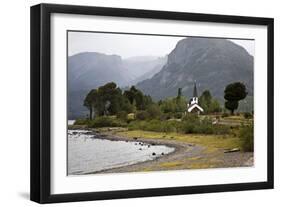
column 109, row 99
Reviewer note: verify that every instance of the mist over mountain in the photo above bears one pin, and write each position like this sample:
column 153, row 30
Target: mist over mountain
column 90, row 70
column 143, row 67
column 212, row 63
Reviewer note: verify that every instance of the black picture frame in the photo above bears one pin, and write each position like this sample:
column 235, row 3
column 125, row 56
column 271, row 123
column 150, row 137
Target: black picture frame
column 41, row 98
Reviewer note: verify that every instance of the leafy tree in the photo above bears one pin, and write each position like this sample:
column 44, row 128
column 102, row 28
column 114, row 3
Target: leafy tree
column 215, row 106
column 110, row 98
column 208, row 103
column 173, row 105
column 179, row 93
column 154, row 111
column 159, row 102
column 122, row 115
column 137, row 98
column 129, row 94
column 181, row 104
column 233, row 93
column 89, row 101
column 127, row 106
column 147, row 101
column 142, row 115
column 206, row 98
column 107, row 100
column 231, row 105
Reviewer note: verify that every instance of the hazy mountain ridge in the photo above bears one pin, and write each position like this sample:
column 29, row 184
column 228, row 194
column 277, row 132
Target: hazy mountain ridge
column 212, row 63
column 142, row 68
column 90, row 70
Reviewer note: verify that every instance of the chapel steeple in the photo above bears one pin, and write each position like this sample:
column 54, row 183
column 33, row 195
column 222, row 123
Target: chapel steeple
column 193, row 105
column 195, row 90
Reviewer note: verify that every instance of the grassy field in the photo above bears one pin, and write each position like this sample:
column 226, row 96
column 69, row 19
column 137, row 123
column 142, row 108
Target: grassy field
column 212, row 145
column 210, row 142
column 212, row 155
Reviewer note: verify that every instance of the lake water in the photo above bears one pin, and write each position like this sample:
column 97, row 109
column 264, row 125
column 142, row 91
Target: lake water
column 88, row 153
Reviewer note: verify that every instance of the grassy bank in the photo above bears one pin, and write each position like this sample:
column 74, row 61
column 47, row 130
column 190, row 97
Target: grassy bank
column 211, row 131
column 211, row 156
column 201, row 140
column 210, row 142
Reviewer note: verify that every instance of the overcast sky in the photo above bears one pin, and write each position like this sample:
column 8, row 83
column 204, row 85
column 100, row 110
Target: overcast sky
column 127, row 45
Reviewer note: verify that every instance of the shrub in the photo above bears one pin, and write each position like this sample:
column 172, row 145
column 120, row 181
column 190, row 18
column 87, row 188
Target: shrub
column 224, row 115
column 188, row 127
column 154, row 125
column 178, row 115
column 191, row 118
column 122, row 115
column 82, row 122
column 246, row 135
column 104, row 121
column 154, row 111
column 136, row 125
column 194, row 125
column 166, row 116
column 142, row 115
column 170, row 126
column 204, row 129
column 248, row 115
column 221, row 129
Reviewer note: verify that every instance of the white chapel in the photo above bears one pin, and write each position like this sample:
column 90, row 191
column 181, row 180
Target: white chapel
column 193, row 105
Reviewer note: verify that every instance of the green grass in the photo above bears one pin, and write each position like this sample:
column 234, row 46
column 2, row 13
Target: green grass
column 211, row 142
column 210, row 157
column 237, row 119
column 171, row 164
column 246, row 135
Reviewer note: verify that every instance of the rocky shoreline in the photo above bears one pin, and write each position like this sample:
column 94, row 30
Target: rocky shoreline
column 185, row 156
column 142, row 141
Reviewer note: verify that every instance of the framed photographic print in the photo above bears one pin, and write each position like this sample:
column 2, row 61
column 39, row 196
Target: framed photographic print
column 133, row 103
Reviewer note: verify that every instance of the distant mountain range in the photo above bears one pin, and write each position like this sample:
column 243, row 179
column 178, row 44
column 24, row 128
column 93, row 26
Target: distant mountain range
column 143, row 67
column 212, row 63
column 90, row 70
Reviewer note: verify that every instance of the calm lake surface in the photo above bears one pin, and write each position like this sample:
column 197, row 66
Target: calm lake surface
column 88, row 153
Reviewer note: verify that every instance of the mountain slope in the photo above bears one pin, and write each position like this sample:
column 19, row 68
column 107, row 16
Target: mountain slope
column 212, row 63
column 87, row 71
column 90, row 70
column 142, row 68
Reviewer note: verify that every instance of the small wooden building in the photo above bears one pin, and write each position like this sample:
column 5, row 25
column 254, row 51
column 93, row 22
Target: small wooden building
column 193, row 105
